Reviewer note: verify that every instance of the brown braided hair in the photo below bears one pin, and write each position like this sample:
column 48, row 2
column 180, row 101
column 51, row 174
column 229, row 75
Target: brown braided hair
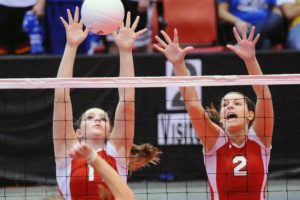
column 213, row 114
column 142, row 156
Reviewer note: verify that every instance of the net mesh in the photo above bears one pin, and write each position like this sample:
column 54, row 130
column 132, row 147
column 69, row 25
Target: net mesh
column 27, row 169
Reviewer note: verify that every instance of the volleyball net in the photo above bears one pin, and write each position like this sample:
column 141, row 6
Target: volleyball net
column 27, row 169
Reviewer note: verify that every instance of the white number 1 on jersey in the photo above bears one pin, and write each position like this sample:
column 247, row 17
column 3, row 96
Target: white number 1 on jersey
column 91, row 173
column 242, row 162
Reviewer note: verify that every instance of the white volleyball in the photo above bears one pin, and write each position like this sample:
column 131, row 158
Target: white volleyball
column 102, row 16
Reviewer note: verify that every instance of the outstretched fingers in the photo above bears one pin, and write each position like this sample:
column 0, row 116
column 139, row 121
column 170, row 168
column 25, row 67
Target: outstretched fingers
column 232, row 48
column 76, row 15
column 64, row 22
column 140, row 32
column 70, row 18
column 236, row 34
column 187, row 49
column 256, row 39
column 86, row 32
column 160, row 49
column 128, row 20
column 167, row 38
column 135, row 23
column 161, row 42
column 251, row 35
column 175, row 39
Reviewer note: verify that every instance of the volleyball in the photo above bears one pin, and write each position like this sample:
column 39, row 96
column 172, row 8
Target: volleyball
column 102, row 16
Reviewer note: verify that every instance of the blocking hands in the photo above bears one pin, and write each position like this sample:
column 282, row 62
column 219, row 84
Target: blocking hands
column 245, row 47
column 171, row 49
column 83, row 151
column 126, row 35
column 74, row 28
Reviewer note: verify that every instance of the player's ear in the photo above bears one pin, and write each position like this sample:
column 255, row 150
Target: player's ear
column 79, row 134
column 250, row 116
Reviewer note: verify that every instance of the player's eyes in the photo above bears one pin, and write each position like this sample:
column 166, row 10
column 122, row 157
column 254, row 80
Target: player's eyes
column 89, row 117
column 103, row 119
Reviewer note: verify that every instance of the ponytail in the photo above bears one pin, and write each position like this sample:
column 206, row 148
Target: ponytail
column 214, row 115
column 143, row 155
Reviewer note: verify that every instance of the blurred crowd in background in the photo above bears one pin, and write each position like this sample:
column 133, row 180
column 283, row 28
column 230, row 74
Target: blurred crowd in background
column 34, row 26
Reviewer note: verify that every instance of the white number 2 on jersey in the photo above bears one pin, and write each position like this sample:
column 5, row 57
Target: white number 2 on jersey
column 242, row 162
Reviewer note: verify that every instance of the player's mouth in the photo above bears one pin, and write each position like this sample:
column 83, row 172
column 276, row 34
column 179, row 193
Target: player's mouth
column 231, row 116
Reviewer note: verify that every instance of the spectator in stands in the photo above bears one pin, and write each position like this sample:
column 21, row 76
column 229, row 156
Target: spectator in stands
column 56, row 35
column 13, row 40
column 143, row 9
column 265, row 15
column 292, row 13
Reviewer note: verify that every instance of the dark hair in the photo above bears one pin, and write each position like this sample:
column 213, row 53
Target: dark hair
column 214, row 114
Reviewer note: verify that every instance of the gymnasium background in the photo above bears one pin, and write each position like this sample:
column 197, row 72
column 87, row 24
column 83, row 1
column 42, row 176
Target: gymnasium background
column 26, row 155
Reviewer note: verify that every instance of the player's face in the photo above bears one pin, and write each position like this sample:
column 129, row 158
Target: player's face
column 234, row 112
column 95, row 124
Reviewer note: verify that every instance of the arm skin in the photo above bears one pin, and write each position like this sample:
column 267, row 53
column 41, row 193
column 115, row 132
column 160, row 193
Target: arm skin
column 264, row 113
column 64, row 135
column 206, row 130
column 123, row 132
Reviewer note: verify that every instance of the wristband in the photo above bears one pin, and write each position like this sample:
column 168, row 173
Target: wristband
column 91, row 157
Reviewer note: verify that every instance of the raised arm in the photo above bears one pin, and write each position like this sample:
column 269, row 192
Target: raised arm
column 63, row 131
column 206, row 130
column 123, row 131
column 116, row 185
column 264, row 114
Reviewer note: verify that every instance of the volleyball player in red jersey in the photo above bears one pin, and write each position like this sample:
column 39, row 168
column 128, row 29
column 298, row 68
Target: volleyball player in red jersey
column 237, row 139
column 77, row 180
column 119, row 189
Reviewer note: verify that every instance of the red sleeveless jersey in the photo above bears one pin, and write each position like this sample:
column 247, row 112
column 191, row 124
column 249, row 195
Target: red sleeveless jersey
column 237, row 173
column 78, row 180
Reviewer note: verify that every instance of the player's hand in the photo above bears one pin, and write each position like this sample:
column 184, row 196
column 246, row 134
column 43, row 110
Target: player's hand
column 240, row 23
column 126, row 35
column 83, row 151
column 173, row 52
column 245, row 47
column 74, row 29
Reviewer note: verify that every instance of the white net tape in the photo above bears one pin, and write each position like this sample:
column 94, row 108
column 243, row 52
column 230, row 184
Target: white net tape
column 140, row 82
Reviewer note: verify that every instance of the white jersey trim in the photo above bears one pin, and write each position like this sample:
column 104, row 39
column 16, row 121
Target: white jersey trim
column 121, row 161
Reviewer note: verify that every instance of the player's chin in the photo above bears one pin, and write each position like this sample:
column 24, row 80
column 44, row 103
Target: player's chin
column 97, row 135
